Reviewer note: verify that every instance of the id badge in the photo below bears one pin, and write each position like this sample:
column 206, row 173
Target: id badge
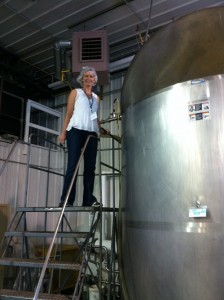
column 93, row 116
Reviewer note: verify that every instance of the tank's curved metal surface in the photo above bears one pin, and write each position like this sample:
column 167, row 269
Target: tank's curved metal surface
column 172, row 210
column 188, row 48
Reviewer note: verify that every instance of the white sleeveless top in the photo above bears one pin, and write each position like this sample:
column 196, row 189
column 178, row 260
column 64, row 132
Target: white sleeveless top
column 83, row 108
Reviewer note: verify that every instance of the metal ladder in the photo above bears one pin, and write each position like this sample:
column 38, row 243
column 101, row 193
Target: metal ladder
column 34, row 289
column 26, row 264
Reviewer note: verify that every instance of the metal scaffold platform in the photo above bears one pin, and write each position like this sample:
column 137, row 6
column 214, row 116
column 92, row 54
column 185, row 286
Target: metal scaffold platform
column 63, row 263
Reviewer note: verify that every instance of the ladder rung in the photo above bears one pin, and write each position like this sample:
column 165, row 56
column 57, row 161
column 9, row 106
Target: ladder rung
column 71, row 209
column 45, row 234
column 38, row 263
column 13, row 294
column 57, row 209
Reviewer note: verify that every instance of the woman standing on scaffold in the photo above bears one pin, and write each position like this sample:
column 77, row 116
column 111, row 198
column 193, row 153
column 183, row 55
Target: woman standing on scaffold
column 81, row 120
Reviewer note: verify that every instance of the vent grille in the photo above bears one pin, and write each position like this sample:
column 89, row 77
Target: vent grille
column 91, row 49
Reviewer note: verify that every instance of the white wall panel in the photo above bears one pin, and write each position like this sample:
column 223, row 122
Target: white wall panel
column 13, row 180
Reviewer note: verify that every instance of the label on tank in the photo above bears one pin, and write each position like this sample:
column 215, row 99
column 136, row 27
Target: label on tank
column 198, row 212
column 198, row 89
column 199, row 110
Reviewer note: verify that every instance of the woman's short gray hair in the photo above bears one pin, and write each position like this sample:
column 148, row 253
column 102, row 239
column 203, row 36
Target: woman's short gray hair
column 82, row 73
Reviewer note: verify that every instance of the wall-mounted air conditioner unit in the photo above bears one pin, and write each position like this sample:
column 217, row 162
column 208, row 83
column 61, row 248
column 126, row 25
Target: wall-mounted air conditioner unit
column 90, row 48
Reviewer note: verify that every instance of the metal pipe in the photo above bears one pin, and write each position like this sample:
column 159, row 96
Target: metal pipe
column 101, row 226
column 27, row 171
column 60, row 45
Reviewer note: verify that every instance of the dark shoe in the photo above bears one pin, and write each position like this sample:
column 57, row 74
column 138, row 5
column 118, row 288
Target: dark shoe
column 96, row 204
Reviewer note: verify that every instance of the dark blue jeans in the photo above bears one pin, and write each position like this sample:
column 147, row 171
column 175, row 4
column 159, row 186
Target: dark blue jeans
column 76, row 139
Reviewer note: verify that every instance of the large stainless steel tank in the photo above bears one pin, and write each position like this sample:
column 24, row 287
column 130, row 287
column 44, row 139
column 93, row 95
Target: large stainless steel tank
column 172, row 210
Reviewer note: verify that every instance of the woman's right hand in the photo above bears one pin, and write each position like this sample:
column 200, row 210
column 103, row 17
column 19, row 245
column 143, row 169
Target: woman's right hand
column 61, row 138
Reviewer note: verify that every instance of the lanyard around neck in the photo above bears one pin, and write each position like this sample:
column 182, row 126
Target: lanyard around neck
column 90, row 100
column 91, row 104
